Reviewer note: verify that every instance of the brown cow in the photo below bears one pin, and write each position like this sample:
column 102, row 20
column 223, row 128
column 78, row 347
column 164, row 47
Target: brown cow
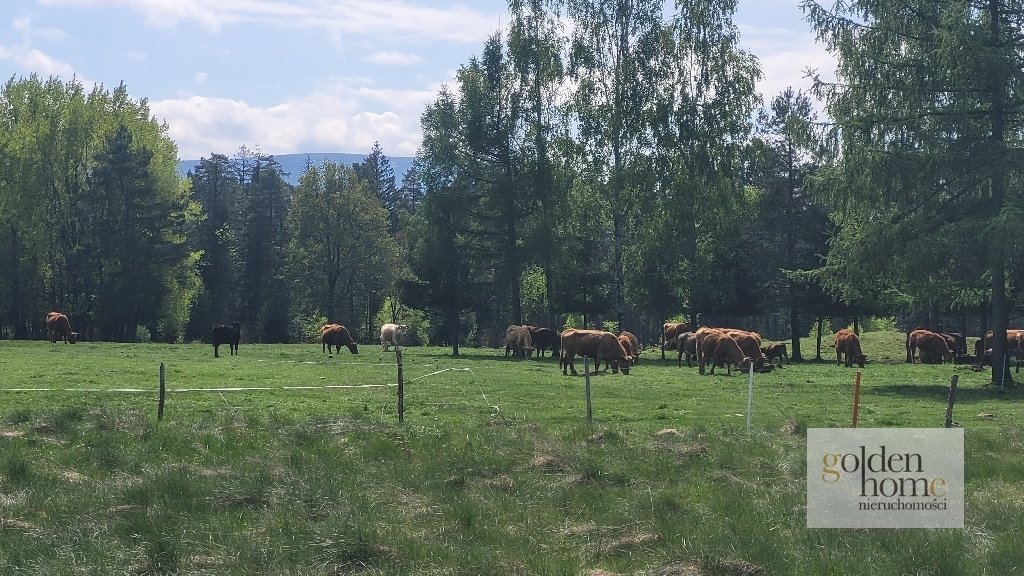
column 634, row 345
column 59, row 327
column 595, row 344
column 750, row 344
column 720, row 348
column 686, row 344
column 773, row 351
column 334, row 336
column 518, row 341
column 935, row 349
column 848, row 344
column 670, row 332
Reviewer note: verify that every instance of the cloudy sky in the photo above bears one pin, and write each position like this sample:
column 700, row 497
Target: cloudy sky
column 292, row 76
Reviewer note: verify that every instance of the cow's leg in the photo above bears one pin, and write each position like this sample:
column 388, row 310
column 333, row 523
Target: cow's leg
column 215, row 354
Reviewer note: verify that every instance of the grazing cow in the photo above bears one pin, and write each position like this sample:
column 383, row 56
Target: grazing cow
column 595, row 344
column 1014, row 346
column 670, row 332
column 544, row 339
column 630, row 344
column 848, row 344
column 734, row 331
column 720, row 348
column 686, row 344
column 750, row 344
column 518, row 341
column 59, row 327
column 634, row 345
column 224, row 334
column 957, row 342
column 390, row 334
column 773, row 351
column 334, row 336
column 934, row 347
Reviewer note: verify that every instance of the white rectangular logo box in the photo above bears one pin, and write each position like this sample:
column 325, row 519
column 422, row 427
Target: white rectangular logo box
column 885, row 478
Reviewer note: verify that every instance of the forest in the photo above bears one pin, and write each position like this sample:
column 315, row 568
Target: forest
column 597, row 163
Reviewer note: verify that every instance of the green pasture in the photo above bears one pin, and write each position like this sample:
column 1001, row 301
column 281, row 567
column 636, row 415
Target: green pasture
column 495, row 470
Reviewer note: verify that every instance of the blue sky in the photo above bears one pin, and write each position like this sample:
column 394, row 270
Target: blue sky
column 291, row 76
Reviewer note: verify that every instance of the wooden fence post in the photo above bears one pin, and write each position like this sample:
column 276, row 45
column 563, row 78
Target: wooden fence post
column 856, row 399
column 586, row 378
column 750, row 395
column 949, row 400
column 163, row 393
column 401, row 387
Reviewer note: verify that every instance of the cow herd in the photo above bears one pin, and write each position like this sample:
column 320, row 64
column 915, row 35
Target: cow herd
column 332, row 336
column 714, row 347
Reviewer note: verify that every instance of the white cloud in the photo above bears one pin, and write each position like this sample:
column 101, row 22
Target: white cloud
column 201, row 77
column 30, row 60
column 50, row 34
column 23, row 23
column 392, row 58
column 383, row 18
column 784, row 56
column 346, row 116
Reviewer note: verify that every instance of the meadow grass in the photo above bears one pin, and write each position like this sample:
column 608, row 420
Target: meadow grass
column 495, row 470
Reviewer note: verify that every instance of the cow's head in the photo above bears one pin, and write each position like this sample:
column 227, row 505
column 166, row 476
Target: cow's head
column 860, row 359
column 353, row 347
column 622, row 364
column 528, row 351
column 744, row 364
column 72, row 337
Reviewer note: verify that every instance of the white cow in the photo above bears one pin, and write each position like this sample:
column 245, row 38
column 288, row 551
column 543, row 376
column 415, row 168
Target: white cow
column 390, row 334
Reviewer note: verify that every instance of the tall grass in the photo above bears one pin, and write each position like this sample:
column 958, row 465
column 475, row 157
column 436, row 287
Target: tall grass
column 495, row 471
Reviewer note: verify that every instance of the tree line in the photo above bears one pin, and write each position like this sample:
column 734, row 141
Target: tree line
column 599, row 162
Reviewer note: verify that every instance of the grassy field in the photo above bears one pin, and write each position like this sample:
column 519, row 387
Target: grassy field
column 495, row 470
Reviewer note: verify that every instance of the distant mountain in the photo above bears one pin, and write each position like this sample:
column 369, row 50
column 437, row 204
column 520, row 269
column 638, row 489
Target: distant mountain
column 294, row 164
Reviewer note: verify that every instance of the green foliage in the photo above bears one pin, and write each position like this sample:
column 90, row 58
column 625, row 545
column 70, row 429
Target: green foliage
column 394, row 312
column 928, row 191
column 879, row 324
column 91, row 207
column 306, row 328
column 339, row 245
column 826, row 330
column 573, row 321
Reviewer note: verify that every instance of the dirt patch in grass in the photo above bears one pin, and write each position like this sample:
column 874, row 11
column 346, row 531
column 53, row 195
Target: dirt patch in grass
column 502, row 483
column 683, row 450
column 728, row 567
column 794, row 427
column 548, row 463
column 72, row 476
column 741, row 568
column 15, row 524
column 678, row 569
column 626, row 543
column 11, row 434
column 585, row 529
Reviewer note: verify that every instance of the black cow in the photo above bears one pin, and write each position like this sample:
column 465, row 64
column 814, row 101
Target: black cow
column 544, row 339
column 224, row 334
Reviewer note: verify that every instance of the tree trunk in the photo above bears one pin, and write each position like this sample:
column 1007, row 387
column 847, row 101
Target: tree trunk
column 1000, row 309
column 453, row 321
column 818, row 347
column 794, row 325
